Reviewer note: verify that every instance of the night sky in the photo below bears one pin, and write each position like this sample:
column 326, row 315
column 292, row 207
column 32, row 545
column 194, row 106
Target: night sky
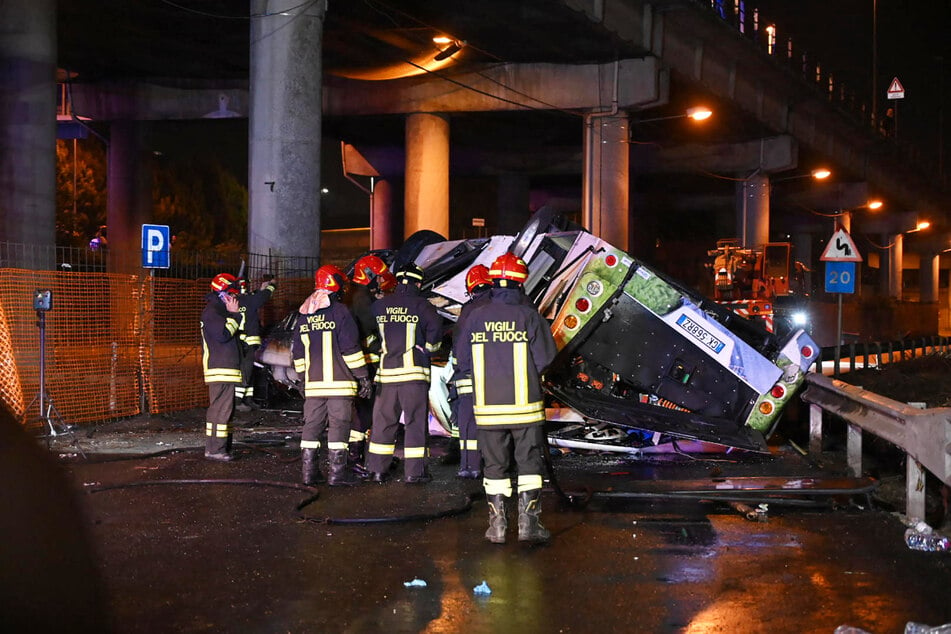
column 913, row 44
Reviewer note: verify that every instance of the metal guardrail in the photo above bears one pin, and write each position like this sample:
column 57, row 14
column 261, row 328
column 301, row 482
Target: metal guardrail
column 857, row 355
column 923, row 434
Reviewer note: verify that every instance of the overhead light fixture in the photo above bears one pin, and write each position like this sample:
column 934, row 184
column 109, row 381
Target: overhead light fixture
column 874, row 204
column 453, row 47
column 821, row 173
column 699, row 113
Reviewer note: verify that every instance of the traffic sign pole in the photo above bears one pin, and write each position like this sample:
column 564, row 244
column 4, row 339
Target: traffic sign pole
column 840, row 257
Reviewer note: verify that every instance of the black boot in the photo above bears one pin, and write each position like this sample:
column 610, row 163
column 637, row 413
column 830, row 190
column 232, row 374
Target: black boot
column 217, row 449
column 340, row 476
column 498, row 523
column 355, row 457
column 310, row 471
column 453, row 453
column 530, row 529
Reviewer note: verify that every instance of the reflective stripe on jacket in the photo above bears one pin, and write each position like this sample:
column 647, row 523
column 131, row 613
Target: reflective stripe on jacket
column 504, row 345
column 219, row 343
column 327, row 353
column 410, row 329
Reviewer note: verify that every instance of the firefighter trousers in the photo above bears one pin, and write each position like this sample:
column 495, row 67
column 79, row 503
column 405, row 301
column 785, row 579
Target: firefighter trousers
column 412, row 399
column 509, row 452
column 218, row 416
column 469, row 458
column 323, row 412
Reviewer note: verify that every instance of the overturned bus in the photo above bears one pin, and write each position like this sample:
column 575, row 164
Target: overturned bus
column 639, row 354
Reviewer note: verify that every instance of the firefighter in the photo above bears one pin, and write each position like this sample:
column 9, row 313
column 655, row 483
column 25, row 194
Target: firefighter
column 371, row 280
column 221, row 363
column 249, row 304
column 478, row 284
column 410, row 330
column 504, row 345
column 327, row 354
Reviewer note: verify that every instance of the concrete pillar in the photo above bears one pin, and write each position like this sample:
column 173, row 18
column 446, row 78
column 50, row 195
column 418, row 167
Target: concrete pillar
column 426, row 197
column 513, row 203
column 752, row 210
column 28, row 129
column 930, row 263
column 894, row 256
column 284, row 132
column 606, row 207
column 802, row 252
column 381, row 216
column 128, row 193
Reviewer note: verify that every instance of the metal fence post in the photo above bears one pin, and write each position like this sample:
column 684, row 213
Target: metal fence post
column 914, row 489
column 854, row 449
column 815, row 429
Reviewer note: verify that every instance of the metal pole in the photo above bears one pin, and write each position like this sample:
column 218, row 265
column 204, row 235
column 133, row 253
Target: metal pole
column 875, row 63
column 838, row 338
column 42, row 396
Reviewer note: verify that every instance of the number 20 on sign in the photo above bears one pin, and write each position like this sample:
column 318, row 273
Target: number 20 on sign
column 840, row 277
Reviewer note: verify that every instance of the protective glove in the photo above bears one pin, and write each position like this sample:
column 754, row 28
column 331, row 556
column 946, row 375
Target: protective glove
column 364, row 387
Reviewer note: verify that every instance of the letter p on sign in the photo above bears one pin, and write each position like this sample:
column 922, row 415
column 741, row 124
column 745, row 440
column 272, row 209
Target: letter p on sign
column 155, row 246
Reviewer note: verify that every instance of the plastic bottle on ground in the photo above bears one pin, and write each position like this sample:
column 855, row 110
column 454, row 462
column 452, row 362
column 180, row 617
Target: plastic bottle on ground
column 927, row 541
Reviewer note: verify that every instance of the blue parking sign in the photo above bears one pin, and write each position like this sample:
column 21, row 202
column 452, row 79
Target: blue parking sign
column 155, row 246
column 840, row 277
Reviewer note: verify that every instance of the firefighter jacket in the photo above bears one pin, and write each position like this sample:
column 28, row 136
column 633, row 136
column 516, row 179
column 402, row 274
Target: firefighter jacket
column 220, row 358
column 249, row 305
column 504, row 345
column 410, row 330
column 327, row 353
column 361, row 302
column 464, row 382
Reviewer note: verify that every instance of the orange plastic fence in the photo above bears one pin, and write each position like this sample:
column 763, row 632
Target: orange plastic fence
column 113, row 343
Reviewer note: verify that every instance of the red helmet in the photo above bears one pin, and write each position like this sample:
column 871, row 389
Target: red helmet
column 509, row 267
column 386, row 282
column 329, row 278
column 224, row 282
column 477, row 276
column 367, row 269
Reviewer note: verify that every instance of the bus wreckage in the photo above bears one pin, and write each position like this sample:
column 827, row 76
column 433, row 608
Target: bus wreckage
column 642, row 360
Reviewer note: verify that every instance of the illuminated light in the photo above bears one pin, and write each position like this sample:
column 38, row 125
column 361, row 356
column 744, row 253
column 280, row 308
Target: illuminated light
column 806, row 352
column 766, row 408
column 571, row 322
column 800, row 318
column 442, row 40
column 611, row 260
column 594, row 288
column 875, row 204
column 924, row 224
column 699, row 113
column 450, row 50
column 778, row 391
column 583, row 305
column 821, row 173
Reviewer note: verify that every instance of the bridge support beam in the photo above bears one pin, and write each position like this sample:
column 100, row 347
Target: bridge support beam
column 28, row 128
column 285, row 128
column 753, row 210
column 426, row 198
column 606, row 193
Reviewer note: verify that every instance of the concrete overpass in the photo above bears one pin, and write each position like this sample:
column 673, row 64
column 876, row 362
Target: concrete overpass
column 563, row 90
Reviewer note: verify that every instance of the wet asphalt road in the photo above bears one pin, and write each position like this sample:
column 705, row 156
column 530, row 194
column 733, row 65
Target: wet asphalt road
column 241, row 547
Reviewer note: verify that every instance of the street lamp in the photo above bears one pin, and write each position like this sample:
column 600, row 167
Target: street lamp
column 696, row 113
